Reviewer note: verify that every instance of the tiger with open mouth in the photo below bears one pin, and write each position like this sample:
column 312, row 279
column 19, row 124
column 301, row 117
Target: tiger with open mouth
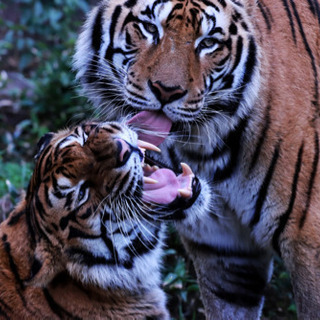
column 86, row 241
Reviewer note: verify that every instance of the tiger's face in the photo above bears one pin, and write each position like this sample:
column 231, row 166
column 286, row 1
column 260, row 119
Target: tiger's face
column 189, row 60
column 96, row 203
column 91, row 165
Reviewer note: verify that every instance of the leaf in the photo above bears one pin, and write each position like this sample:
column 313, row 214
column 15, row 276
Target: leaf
column 169, row 279
column 38, row 9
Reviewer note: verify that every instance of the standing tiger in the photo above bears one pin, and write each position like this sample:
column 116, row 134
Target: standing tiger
column 86, row 241
column 234, row 85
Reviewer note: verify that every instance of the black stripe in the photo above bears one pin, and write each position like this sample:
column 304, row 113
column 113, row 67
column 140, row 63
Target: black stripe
column 171, row 16
column 37, row 221
column 232, row 142
column 137, row 95
column 35, row 268
column 39, row 207
column 15, row 217
column 130, row 18
column 108, row 242
column 76, row 233
column 56, row 308
column 293, row 32
column 221, row 252
column 311, row 6
column 175, row 161
column 250, row 63
column 238, row 53
column 130, row 3
column 39, row 165
column 242, row 284
column 69, row 200
column 31, row 223
column 57, row 149
column 87, row 214
column 261, row 139
column 46, row 194
column 244, row 276
column 124, row 180
column 210, row 4
column 311, row 180
column 285, row 216
column 81, row 256
column 114, row 20
column 244, row 299
column 265, row 13
column 201, row 157
column 223, row 3
column 142, row 245
column 96, row 35
column 314, row 8
column 13, row 268
column 64, row 221
column 264, row 187
column 309, row 51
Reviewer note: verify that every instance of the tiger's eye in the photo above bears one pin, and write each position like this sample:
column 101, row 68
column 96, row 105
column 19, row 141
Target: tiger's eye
column 208, row 42
column 150, row 27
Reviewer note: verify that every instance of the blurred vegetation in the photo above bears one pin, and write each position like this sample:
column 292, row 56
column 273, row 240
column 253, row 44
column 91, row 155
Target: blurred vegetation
column 38, row 94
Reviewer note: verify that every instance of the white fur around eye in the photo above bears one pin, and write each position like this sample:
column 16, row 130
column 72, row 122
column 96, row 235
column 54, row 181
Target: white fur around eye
column 64, row 183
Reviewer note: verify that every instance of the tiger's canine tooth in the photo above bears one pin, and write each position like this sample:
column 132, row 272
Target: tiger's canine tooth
column 186, row 170
column 185, row 193
column 148, row 146
column 149, row 180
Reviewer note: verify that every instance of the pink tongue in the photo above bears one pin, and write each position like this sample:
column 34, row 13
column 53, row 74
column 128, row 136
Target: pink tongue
column 156, row 123
column 166, row 190
column 163, row 192
column 154, row 128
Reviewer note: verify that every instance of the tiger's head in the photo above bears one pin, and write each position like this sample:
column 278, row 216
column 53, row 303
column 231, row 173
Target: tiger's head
column 94, row 206
column 191, row 62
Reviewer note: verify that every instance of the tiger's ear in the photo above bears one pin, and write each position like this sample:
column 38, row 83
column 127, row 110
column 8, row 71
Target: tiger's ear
column 42, row 143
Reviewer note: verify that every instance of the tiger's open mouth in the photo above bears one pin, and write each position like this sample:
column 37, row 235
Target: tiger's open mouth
column 161, row 185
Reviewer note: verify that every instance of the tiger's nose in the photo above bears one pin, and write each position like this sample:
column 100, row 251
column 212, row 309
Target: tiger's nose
column 166, row 94
column 124, row 151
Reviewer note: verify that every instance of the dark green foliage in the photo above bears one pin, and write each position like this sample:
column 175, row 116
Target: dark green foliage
column 37, row 47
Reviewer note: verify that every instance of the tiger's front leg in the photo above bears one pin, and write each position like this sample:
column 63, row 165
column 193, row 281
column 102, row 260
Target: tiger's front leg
column 298, row 245
column 232, row 271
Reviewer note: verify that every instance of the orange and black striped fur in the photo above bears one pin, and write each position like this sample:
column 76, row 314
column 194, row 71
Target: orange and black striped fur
column 240, row 82
column 83, row 244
